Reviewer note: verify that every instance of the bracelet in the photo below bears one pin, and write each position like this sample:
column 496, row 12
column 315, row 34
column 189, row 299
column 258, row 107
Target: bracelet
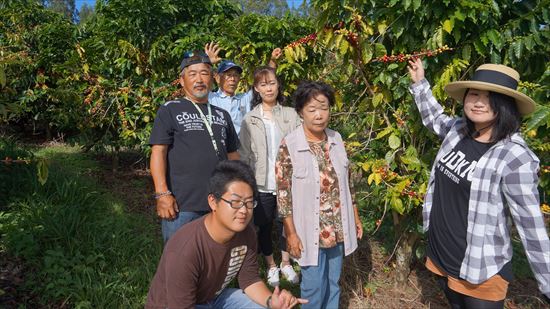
column 268, row 302
column 158, row 195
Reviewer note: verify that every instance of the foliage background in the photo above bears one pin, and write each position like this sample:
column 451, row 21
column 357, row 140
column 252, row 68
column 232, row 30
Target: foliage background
column 97, row 83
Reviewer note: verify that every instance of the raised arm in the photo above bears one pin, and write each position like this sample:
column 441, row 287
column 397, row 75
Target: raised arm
column 212, row 50
column 431, row 111
column 275, row 55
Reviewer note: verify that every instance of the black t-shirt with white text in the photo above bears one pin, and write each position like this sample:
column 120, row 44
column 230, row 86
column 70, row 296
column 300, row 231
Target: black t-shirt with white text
column 191, row 154
column 449, row 215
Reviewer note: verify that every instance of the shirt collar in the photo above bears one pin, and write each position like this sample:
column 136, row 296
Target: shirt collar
column 303, row 145
column 223, row 94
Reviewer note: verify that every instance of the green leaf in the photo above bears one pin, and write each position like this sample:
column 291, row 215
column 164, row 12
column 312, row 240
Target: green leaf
column 495, row 38
column 529, row 43
column 344, row 47
column 289, row 55
column 367, row 52
column 458, row 15
column 397, row 205
column 377, row 99
column 517, row 48
column 448, row 25
column 467, row 52
column 384, row 132
column 382, row 27
column 416, row 4
column 394, row 141
column 379, row 50
column 42, row 171
column 538, row 118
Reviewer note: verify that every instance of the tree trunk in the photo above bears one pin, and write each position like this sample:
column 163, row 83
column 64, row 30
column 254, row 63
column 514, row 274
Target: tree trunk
column 404, row 250
column 403, row 257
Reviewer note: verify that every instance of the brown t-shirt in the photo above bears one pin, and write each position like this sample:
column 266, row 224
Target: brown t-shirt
column 194, row 268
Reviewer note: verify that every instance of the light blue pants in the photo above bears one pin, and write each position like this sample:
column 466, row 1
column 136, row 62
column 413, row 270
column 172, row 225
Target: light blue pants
column 320, row 283
column 169, row 227
column 230, row 299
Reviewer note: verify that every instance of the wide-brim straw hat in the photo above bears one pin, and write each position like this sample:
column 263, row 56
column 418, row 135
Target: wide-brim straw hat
column 497, row 78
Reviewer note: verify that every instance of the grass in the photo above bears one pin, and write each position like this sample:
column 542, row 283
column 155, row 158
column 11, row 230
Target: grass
column 83, row 248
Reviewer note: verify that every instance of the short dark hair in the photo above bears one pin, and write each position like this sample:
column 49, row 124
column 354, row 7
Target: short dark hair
column 261, row 74
column 229, row 171
column 310, row 89
column 508, row 118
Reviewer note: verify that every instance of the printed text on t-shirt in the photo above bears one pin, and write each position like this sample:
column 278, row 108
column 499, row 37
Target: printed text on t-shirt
column 456, row 167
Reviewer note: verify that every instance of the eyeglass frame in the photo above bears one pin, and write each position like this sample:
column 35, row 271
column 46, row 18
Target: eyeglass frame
column 243, row 203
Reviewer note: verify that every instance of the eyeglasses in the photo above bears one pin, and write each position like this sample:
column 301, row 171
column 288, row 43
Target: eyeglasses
column 239, row 204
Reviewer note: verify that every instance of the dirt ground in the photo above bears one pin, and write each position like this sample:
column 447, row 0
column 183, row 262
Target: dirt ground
column 367, row 280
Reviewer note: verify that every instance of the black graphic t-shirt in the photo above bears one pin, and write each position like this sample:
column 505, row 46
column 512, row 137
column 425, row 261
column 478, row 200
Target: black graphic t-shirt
column 191, row 155
column 449, row 215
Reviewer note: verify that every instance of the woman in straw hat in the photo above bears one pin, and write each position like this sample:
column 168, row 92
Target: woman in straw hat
column 484, row 173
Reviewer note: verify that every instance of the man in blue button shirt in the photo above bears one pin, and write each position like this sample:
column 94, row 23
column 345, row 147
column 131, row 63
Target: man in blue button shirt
column 228, row 77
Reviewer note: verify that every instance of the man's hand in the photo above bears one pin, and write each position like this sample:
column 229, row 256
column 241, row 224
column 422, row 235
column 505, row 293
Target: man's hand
column 276, row 54
column 359, row 228
column 294, row 245
column 167, row 208
column 284, row 299
column 416, row 70
column 212, row 50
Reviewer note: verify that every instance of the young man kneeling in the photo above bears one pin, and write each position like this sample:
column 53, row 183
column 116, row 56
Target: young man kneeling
column 203, row 256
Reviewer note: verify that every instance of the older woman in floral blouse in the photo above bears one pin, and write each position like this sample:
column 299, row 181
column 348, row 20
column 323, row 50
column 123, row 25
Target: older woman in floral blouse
column 315, row 197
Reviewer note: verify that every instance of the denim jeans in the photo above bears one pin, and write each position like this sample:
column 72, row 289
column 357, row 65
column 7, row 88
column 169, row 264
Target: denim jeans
column 230, row 298
column 320, row 283
column 169, row 227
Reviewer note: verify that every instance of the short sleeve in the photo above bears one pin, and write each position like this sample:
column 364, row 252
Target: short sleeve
column 163, row 128
column 232, row 141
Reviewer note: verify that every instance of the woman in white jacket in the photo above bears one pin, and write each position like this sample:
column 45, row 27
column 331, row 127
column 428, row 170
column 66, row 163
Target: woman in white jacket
column 261, row 132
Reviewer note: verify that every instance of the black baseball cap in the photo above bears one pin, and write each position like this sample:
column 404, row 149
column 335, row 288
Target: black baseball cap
column 194, row 57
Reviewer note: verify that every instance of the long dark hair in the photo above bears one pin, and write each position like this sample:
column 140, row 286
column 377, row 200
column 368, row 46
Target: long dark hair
column 260, row 74
column 507, row 121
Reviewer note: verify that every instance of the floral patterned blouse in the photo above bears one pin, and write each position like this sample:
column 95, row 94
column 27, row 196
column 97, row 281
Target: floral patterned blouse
column 330, row 219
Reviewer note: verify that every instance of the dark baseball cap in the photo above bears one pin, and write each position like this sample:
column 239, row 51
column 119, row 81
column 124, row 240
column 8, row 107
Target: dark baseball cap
column 228, row 64
column 194, row 57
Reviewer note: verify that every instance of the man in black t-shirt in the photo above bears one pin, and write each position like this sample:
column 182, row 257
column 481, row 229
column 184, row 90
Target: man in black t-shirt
column 189, row 137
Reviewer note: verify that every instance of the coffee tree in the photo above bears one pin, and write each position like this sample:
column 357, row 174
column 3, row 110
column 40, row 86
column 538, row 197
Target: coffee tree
column 364, row 46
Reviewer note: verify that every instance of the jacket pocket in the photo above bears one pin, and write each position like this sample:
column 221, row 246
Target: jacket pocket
column 299, row 173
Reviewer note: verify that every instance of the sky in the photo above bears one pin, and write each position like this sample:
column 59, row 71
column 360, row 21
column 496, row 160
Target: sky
column 79, row 3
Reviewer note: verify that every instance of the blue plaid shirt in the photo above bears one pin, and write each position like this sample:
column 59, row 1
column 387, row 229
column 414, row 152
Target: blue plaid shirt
column 504, row 183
